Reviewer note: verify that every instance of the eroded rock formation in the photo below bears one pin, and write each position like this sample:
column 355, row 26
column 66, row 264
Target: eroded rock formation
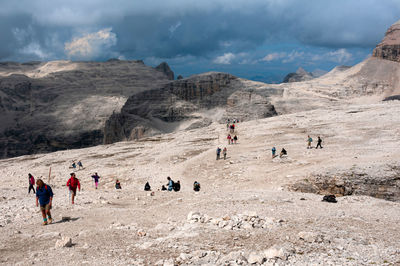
column 389, row 48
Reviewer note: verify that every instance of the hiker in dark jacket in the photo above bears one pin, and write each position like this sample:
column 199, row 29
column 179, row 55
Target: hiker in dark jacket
column 96, row 179
column 196, row 186
column 177, row 186
column 31, row 183
column 44, row 196
column 117, row 185
column 319, row 143
column 147, row 187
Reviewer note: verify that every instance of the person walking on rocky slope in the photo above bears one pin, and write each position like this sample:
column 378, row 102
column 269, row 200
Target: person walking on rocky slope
column 319, row 143
column 229, row 137
column 218, row 153
column 273, row 152
column 309, row 140
column 44, row 196
column 235, row 138
column 80, row 165
column 96, row 179
column 31, row 183
column 73, row 183
column 196, row 186
column 224, row 152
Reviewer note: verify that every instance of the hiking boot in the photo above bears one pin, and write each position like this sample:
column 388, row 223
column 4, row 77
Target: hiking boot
column 44, row 223
column 50, row 220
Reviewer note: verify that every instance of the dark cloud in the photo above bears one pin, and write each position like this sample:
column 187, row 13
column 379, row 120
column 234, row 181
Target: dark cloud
column 187, row 29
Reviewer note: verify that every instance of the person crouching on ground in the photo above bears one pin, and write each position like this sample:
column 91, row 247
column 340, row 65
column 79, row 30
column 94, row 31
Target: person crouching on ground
column 73, row 183
column 44, row 196
column 170, row 184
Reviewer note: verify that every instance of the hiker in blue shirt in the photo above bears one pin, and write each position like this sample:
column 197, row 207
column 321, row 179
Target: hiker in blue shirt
column 273, row 152
column 44, row 196
column 170, row 184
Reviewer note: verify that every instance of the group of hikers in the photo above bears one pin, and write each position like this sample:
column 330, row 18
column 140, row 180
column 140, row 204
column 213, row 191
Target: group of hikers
column 310, row 140
column 172, row 186
column 224, row 152
column 231, row 140
column 44, row 193
column 80, row 166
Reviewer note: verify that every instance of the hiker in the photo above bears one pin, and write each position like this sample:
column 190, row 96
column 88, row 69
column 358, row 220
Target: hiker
column 235, row 138
column 229, row 138
column 283, row 152
column 117, row 185
column 309, row 140
column 196, row 186
column 73, row 183
column 319, row 143
column 273, row 152
column 170, row 184
column 147, row 187
column 80, row 165
column 74, row 165
column 96, row 179
column 31, row 183
column 227, row 126
column 44, row 197
column 177, row 186
column 163, row 187
column 224, row 153
column 218, row 152
column 232, row 128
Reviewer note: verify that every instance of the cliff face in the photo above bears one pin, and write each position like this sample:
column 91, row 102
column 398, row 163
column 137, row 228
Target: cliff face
column 389, row 48
column 186, row 103
column 63, row 105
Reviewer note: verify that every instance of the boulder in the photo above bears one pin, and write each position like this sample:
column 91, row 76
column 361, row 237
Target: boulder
column 64, row 242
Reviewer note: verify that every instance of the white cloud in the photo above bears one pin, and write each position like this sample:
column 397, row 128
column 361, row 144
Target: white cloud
column 91, row 45
column 225, row 59
column 34, row 49
column 173, row 28
column 294, row 55
column 340, row 56
column 273, row 57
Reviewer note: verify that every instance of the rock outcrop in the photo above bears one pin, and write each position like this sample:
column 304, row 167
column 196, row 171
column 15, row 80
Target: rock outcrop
column 389, row 48
column 49, row 106
column 299, row 75
column 383, row 184
column 183, row 104
column 164, row 68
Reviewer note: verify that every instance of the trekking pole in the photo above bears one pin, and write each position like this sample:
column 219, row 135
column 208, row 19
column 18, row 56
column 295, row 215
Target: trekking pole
column 49, row 175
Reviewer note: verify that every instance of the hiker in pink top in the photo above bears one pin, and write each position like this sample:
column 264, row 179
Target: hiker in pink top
column 31, row 183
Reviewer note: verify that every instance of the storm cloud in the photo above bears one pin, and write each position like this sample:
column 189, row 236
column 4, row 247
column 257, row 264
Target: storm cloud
column 219, row 31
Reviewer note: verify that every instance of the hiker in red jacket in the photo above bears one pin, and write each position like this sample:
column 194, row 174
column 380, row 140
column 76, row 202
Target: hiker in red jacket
column 73, row 183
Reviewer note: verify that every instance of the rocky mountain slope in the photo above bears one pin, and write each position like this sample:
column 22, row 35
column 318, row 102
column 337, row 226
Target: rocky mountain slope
column 187, row 104
column 247, row 211
column 62, row 104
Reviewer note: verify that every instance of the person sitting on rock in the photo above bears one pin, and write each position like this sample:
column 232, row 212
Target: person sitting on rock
column 196, row 186
column 80, row 165
column 117, row 185
column 147, row 187
column 177, row 186
column 163, row 187
column 170, row 184
column 283, row 153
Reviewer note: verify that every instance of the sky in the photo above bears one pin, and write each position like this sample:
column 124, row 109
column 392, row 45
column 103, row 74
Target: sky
column 255, row 39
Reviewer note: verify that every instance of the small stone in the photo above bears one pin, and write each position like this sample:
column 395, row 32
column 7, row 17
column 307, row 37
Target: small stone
column 255, row 258
column 64, row 242
column 274, row 252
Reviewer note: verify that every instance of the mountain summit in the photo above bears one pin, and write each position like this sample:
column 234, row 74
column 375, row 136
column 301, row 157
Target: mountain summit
column 389, row 48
